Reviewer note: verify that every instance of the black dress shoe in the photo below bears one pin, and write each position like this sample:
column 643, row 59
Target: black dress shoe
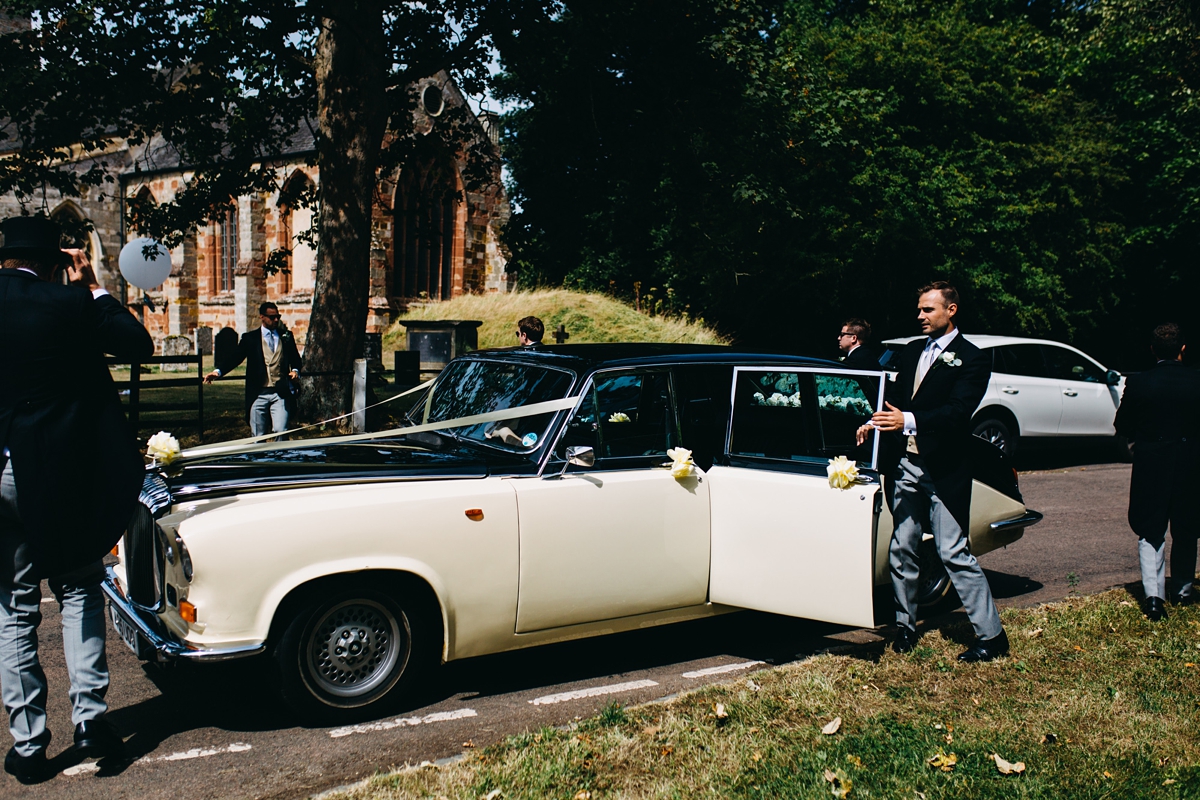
column 1155, row 609
column 1181, row 599
column 986, row 649
column 27, row 769
column 97, row 738
column 906, row 640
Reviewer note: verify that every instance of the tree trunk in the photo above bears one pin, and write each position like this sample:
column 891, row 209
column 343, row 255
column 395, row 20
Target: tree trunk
column 351, row 118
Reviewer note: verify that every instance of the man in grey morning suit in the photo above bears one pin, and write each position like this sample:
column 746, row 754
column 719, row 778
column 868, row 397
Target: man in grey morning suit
column 70, row 481
column 926, row 425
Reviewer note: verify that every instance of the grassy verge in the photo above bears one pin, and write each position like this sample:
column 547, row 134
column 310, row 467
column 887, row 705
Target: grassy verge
column 587, row 317
column 1094, row 700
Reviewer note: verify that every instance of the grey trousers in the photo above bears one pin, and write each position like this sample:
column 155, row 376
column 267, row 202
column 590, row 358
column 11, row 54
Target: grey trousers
column 915, row 507
column 1152, row 557
column 22, row 681
column 268, row 414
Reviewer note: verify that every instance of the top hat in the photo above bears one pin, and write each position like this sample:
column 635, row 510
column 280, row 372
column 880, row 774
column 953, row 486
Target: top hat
column 35, row 238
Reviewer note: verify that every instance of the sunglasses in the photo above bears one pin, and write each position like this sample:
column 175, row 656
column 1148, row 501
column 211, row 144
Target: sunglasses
column 270, row 316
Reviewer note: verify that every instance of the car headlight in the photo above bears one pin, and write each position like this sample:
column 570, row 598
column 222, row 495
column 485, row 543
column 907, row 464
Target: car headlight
column 185, row 557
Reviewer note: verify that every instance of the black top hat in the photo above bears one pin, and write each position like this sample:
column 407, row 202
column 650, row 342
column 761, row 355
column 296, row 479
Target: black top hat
column 35, row 238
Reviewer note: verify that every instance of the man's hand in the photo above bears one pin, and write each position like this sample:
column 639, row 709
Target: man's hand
column 212, row 376
column 862, row 433
column 80, row 271
column 890, row 419
column 294, row 374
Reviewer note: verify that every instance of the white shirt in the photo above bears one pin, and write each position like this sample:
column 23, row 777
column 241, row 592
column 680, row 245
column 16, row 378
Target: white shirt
column 933, row 349
column 270, row 337
column 95, row 292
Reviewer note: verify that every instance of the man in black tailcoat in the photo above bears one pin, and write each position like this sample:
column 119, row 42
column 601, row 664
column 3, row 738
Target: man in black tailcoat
column 1158, row 415
column 854, row 341
column 70, row 482
column 272, row 363
column 927, row 427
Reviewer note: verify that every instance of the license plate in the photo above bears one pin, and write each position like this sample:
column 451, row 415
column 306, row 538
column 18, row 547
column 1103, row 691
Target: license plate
column 129, row 634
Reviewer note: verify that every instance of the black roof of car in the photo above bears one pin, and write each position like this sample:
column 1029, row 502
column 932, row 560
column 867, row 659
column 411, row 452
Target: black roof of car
column 584, row 358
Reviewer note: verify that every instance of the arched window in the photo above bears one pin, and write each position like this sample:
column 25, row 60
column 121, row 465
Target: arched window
column 71, row 219
column 225, row 251
column 426, row 217
column 295, row 219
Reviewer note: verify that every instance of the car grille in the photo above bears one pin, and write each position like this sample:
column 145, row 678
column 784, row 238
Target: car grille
column 145, row 549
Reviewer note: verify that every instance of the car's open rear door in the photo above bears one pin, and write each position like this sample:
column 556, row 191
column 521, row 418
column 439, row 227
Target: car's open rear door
column 784, row 540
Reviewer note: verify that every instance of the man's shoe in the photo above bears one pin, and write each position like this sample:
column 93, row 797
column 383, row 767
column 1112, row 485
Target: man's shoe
column 1181, row 599
column 27, row 769
column 1155, row 609
column 97, row 738
column 906, row 640
column 986, row 649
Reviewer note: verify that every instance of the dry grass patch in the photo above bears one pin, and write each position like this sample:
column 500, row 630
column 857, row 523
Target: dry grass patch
column 1096, row 701
column 588, row 318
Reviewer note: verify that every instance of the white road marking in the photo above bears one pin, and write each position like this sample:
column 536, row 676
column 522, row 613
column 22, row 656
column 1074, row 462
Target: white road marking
column 402, row 722
column 595, row 691
column 88, row 767
column 700, row 673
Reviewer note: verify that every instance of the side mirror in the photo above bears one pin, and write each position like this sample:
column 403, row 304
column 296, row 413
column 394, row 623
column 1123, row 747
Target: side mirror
column 1112, row 377
column 581, row 456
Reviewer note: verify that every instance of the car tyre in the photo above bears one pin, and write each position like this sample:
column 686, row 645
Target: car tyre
column 933, row 582
column 996, row 431
column 351, row 653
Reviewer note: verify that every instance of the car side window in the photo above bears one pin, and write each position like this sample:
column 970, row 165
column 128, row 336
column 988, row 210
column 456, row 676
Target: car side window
column 800, row 416
column 702, row 399
column 1068, row 365
column 625, row 415
column 1021, row 359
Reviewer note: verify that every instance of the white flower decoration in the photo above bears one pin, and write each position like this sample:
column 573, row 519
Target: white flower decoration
column 950, row 360
column 163, row 447
column 681, row 462
column 620, row 416
column 843, row 473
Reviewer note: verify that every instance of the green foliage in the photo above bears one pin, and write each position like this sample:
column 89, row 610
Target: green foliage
column 763, row 159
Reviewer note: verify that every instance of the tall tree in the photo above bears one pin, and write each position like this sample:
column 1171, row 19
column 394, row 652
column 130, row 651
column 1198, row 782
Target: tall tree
column 778, row 165
column 225, row 85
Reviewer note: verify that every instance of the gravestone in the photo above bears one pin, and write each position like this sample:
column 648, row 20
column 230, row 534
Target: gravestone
column 177, row 346
column 204, row 340
column 224, row 344
column 373, row 350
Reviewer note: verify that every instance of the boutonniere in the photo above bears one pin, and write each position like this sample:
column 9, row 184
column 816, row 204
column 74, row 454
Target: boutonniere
column 949, row 359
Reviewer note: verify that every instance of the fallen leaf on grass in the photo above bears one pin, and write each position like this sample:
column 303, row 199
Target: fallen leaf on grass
column 1188, row 664
column 756, row 757
column 855, row 760
column 583, row 794
column 832, row 727
column 942, row 760
column 492, row 795
column 652, row 730
column 666, row 751
column 1107, row 774
column 722, row 714
column 1033, row 633
column 1168, row 781
column 468, row 743
column 1008, row 767
column 841, row 782
column 754, row 687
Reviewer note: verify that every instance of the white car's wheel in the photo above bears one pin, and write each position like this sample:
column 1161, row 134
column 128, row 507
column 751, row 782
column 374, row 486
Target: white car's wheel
column 349, row 654
column 996, row 431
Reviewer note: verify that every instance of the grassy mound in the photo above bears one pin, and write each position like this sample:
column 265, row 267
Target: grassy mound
column 588, row 318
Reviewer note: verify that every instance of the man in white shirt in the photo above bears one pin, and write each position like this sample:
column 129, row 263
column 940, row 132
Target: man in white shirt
column 942, row 379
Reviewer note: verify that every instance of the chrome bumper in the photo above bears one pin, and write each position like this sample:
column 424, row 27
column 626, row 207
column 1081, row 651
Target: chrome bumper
column 167, row 649
column 1017, row 523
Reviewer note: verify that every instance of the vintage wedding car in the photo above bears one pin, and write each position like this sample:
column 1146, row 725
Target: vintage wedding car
column 357, row 565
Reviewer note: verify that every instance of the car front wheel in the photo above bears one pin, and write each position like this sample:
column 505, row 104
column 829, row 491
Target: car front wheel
column 350, row 654
column 996, row 431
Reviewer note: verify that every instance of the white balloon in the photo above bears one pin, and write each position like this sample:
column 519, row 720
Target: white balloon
column 142, row 272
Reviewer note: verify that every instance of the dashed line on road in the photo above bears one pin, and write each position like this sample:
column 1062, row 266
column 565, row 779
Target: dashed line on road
column 88, row 767
column 595, row 691
column 402, row 722
column 703, row 673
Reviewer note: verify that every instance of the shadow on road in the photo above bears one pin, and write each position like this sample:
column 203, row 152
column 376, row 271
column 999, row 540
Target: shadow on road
column 1037, row 456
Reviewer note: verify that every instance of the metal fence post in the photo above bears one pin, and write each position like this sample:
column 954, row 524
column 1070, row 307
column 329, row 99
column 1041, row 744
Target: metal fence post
column 200, row 390
column 135, row 371
column 358, row 422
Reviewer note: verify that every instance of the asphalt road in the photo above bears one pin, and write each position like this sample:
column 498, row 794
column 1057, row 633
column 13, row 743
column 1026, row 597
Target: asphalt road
column 212, row 731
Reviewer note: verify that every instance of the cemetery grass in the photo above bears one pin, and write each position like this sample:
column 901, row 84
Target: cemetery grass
column 588, row 317
column 1094, row 700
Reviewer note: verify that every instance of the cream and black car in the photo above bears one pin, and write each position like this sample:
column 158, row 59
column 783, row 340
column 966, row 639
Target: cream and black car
column 357, row 566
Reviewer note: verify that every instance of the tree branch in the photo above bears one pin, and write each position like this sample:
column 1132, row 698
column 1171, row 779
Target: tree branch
column 445, row 61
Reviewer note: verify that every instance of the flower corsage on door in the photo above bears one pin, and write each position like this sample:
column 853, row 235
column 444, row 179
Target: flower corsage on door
column 163, row 448
column 681, row 463
column 843, row 473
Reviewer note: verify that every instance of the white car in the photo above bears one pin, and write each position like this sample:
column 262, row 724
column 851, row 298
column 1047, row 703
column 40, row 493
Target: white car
column 356, row 565
column 1039, row 390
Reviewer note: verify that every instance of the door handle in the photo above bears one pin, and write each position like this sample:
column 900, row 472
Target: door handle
column 1070, row 392
column 1010, row 390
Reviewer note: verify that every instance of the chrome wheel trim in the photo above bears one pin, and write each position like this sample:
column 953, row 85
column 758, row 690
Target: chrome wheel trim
column 352, row 651
column 992, row 434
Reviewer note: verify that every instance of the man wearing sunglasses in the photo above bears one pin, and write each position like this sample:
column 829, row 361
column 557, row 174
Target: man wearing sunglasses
column 272, row 363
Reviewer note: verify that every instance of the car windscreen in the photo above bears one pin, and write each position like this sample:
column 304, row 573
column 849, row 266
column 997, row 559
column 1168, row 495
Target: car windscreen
column 468, row 387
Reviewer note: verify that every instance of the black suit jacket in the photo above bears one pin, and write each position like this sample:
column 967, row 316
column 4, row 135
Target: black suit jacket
column 862, row 357
column 942, row 408
column 249, row 349
column 74, row 457
column 1157, row 413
